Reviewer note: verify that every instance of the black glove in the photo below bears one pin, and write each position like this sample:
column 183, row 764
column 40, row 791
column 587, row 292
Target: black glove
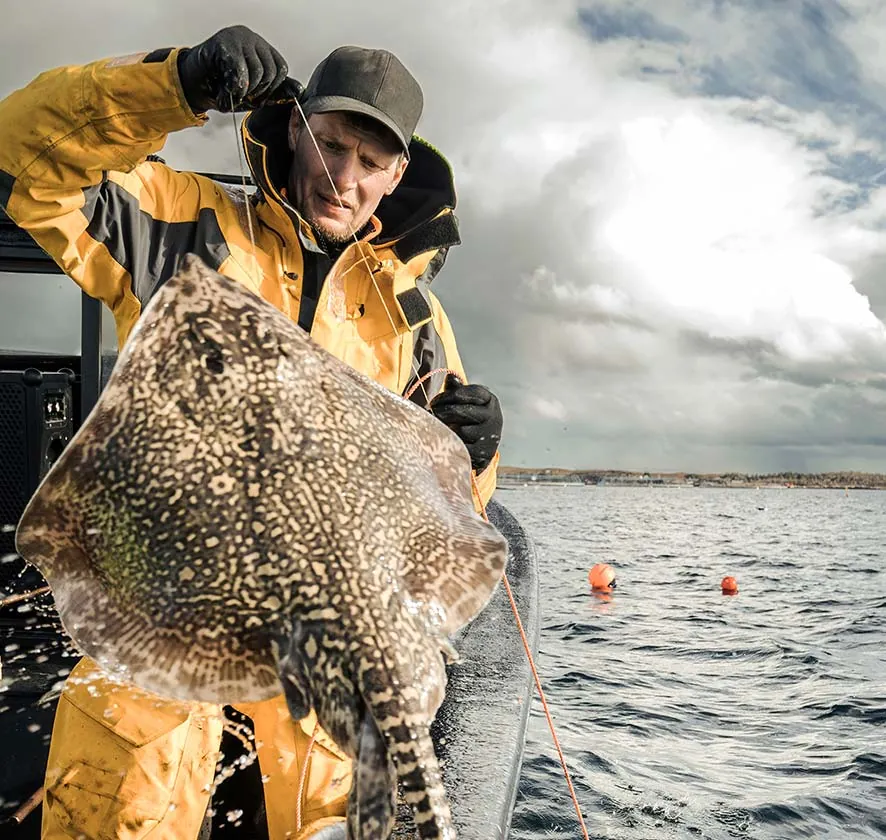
column 474, row 414
column 234, row 62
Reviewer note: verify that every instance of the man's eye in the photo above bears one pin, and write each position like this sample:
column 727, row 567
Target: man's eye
column 370, row 164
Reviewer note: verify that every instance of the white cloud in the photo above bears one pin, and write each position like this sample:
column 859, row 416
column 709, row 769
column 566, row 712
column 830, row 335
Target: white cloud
column 717, row 223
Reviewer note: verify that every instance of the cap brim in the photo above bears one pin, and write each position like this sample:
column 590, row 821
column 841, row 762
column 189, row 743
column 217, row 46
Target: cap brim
column 325, row 104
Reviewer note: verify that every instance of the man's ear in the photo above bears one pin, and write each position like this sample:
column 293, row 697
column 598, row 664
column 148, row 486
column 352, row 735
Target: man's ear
column 398, row 175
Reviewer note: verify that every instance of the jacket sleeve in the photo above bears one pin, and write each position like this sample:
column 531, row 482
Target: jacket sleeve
column 486, row 480
column 72, row 148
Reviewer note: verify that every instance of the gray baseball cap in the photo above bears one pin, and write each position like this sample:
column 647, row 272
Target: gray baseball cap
column 371, row 82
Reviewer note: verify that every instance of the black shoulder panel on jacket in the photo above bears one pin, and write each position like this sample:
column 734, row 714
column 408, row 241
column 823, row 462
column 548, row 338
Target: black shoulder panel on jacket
column 149, row 249
column 428, row 354
column 157, row 56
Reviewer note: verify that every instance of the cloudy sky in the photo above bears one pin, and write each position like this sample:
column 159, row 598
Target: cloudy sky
column 673, row 212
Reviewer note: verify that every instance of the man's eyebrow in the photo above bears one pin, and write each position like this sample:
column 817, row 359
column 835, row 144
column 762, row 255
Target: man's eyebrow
column 327, row 136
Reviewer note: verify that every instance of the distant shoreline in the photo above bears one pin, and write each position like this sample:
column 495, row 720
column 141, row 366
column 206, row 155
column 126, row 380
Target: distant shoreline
column 519, row 476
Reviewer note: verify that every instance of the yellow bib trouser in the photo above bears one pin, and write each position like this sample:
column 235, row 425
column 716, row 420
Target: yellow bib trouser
column 124, row 765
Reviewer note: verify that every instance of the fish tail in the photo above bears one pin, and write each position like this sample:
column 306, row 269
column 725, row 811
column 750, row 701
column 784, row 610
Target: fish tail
column 395, row 745
column 422, row 781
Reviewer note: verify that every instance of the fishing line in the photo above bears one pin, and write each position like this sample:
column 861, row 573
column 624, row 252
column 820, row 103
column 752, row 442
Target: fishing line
column 419, row 383
column 356, row 239
column 544, row 703
column 241, row 154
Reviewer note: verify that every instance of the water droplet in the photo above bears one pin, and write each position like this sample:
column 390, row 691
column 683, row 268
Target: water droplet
column 7, row 529
column 234, row 815
column 33, row 727
column 10, row 648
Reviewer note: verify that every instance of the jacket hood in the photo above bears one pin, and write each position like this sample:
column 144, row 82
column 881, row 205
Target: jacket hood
column 414, row 216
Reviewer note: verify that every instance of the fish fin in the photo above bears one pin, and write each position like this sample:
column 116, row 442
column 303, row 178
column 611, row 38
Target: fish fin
column 293, row 672
column 373, row 797
column 452, row 569
column 451, row 560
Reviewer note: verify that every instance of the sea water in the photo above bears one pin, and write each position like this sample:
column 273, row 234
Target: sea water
column 684, row 713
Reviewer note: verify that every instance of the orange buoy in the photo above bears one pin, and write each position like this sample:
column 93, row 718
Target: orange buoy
column 729, row 585
column 602, row 578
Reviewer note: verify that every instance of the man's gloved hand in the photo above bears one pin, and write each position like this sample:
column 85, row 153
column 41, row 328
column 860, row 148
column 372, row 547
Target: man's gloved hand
column 474, row 414
column 234, row 62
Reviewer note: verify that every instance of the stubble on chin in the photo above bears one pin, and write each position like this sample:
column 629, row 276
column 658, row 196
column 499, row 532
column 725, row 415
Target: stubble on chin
column 334, row 235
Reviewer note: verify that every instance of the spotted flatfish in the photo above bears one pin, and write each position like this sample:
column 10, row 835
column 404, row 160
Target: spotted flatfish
column 242, row 513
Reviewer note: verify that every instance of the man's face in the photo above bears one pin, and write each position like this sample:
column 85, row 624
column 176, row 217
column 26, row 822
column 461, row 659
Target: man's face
column 363, row 167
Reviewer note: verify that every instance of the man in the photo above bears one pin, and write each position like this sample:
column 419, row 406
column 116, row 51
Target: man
column 75, row 171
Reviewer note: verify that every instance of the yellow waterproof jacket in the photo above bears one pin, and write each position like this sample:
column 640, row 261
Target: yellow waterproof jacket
column 75, row 173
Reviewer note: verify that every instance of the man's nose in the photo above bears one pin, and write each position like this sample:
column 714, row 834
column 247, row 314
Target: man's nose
column 344, row 172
